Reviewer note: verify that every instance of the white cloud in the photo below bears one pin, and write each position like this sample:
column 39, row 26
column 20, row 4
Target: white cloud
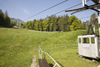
column 25, row 10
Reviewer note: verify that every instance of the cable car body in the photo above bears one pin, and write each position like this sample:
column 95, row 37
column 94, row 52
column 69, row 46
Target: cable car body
column 88, row 46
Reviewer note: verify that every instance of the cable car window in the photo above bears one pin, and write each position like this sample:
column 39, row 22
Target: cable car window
column 92, row 40
column 85, row 40
column 79, row 40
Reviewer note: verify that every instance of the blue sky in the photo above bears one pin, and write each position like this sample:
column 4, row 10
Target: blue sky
column 23, row 9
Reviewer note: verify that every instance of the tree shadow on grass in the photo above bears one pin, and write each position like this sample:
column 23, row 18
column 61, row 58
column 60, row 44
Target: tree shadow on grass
column 51, row 65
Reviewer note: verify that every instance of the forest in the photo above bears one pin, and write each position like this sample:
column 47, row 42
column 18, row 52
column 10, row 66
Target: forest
column 61, row 23
column 5, row 21
column 51, row 23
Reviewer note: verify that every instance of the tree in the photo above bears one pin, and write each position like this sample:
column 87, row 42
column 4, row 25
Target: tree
column 51, row 22
column 45, row 24
column 12, row 23
column 87, row 24
column 93, row 20
column 22, row 25
column 65, row 23
column 6, row 13
column 72, row 19
column 40, row 28
column 84, row 25
column 41, row 25
column 59, row 24
column 37, row 25
column 1, row 18
column 34, row 24
column 6, row 21
column 29, row 25
column 76, row 25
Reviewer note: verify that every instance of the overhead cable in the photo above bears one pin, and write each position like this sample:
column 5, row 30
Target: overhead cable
column 48, row 9
column 70, row 8
column 85, row 17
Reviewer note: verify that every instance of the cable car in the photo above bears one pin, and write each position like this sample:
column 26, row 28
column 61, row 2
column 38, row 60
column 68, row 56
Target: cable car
column 88, row 45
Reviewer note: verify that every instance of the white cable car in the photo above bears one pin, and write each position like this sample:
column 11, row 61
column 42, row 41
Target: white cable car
column 88, row 45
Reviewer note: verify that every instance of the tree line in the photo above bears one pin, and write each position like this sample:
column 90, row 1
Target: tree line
column 93, row 21
column 60, row 23
column 51, row 23
column 5, row 21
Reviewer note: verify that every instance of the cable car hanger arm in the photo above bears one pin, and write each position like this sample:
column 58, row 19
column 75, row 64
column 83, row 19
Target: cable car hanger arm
column 85, row 8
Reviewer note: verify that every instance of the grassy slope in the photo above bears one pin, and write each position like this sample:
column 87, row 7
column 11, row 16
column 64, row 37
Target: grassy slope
column 17, row 47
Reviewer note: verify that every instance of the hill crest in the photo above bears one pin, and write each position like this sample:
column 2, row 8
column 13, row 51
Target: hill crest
column 17, row 21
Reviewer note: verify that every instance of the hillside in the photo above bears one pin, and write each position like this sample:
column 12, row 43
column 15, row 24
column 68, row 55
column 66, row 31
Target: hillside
column 17, row 21
column 18, row 46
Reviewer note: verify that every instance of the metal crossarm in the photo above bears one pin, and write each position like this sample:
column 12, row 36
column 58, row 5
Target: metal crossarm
column 85, row 8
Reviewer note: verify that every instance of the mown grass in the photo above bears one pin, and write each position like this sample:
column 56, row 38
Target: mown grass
column 18, row 46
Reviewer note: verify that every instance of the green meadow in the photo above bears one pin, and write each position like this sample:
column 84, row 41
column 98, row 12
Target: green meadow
column 18, row 46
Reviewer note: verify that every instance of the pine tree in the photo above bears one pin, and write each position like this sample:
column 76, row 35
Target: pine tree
column 1, row 18
column 93, row 20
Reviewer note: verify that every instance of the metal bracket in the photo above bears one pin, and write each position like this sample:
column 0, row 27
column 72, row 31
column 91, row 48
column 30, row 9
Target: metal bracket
column 85, row 8
column 90, row 27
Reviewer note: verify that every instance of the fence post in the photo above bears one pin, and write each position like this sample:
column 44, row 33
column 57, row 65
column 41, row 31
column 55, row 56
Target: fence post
column 39, row 51
column 41, row 54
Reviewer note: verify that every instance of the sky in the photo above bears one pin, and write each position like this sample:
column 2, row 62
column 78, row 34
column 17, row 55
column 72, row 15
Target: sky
column 23, row 9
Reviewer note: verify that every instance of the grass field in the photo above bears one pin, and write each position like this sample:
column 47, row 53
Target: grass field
column 18, row 46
